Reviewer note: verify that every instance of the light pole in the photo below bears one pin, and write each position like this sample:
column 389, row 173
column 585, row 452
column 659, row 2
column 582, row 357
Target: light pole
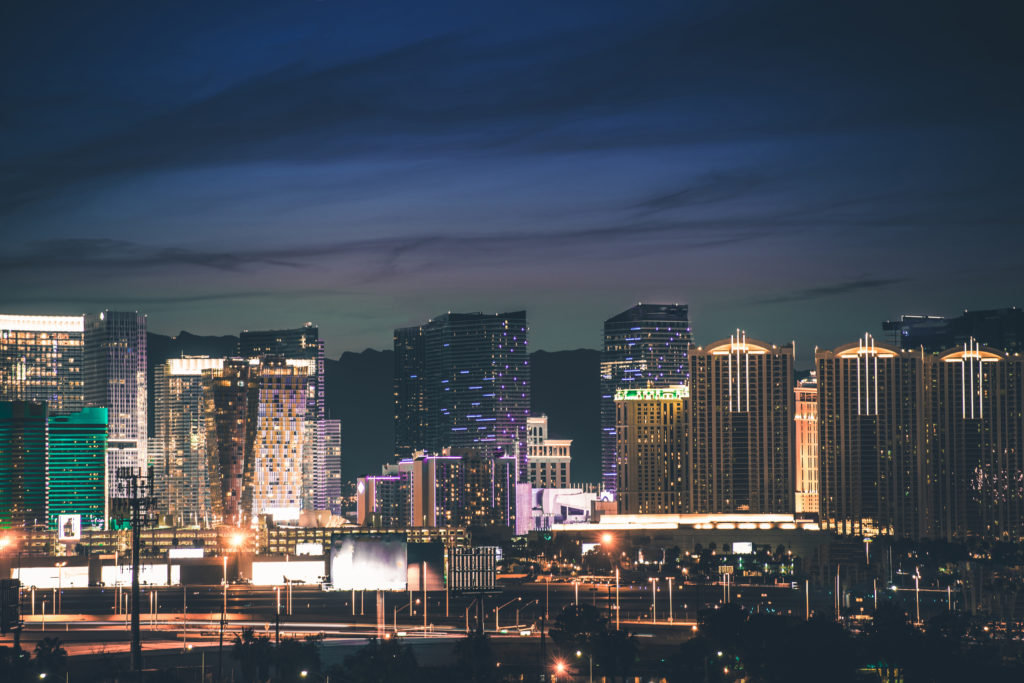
column 399, row 609
column 867, row 552
column 521, row 607
column 590, row 656
column 576, row 585
column 616, row 598
column 654, row 599
column 498, row 609
column 670, row 614
column 547, row 595
column 60, row 587
column 917, row 596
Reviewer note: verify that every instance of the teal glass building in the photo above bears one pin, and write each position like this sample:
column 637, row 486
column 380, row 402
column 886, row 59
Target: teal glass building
column 77, row 467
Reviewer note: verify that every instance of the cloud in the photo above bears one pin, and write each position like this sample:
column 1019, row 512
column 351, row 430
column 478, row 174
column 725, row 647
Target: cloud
column 833, row 290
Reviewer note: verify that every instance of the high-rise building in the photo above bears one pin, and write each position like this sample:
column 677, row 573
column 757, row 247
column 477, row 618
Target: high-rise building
column 332, row 452
column 77, row 467
column 279, row 471
column 652, row 431
column 411, row 417
column 22, row 464
column 644, row 346
column 476, row 386
column 549, row 460
column 179, row 438
column 114, row 370
column 871, row 401
column 302, row 343
column 1001, row 329
column 41, row 361
column 379, row 501
column 806, row 443
column 464, row 488
column 975, row 453
column 741, row 398
column 230, row 410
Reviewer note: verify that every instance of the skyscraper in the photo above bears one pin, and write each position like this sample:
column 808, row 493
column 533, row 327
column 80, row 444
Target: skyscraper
column 332, row 451
column 1001, row 329
column 644, row 346
column 302, row 343
column 411, row 417
column 806, row 443
column 652, row 429
column 870, row 415
column 475, row 390
column 114, row 369
column 22, row 464
column 281, row 429
column 41, row 361
column 230, row 411
column 77, row 467
column 179, row 436
column 975, row 453
column 741, row 398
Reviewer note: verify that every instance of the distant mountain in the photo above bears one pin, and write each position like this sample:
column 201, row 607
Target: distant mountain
column 358, row 390
column 160, row 348
column 566, row 386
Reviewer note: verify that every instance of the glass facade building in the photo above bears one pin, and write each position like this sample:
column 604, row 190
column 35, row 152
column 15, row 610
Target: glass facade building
column 302, row 343
column 22, row 464
column 114, row 368
column 645, row 346
column 77, row 467
column 469, row 386
column 179, row 438
column 41, row 361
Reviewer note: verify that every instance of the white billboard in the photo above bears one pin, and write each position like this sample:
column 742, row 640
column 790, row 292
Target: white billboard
column 52, row 577
column 69, row 528
column 743, row 547
column 279, row 572
column 183, row 553
column 369, row 564
column 149, row 574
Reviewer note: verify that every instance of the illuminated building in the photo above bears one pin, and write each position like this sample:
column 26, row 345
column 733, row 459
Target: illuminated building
column 805, row 438
column 1001, row 329
column 114, row 370
column 41, row 361
column 741, row 427
column 463, row 488
column 646, row 345
column 975, row 469
column 476, row 392
column 379, row 501
column 230, row 412
column 22, row 464
column 280, row 459
column 332, row 455
column 652, row 433
column 179, row 438
column 76, row 467
column 304, row 344
column 411, row 417
column 548, row 460
column 870, row 405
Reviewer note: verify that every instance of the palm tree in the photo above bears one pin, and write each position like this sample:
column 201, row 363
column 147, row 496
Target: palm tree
column 51, row 657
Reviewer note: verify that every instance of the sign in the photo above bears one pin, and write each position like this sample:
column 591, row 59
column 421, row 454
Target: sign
column 743, row 547
column 672, row 393
column 69, row 528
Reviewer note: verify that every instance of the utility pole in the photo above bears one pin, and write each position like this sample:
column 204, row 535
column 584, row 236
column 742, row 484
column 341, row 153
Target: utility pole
column 140, row 502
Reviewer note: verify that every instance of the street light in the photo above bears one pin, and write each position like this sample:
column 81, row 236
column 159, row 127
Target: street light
column 521, row 607
column 498, row 609
column 559, row 669
column 654, row 599
column 590, row 656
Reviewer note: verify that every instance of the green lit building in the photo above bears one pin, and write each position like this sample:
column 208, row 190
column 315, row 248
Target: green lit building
column 22, row 464
column 77, row 467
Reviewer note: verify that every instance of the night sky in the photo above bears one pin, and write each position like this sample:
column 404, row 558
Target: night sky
column 803, row 170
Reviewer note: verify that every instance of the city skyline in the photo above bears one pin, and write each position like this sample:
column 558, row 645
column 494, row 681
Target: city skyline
column 265, row 169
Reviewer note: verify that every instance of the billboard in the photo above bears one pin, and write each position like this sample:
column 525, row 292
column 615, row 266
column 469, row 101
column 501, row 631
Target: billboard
column 277, row 573
column 369, row 564
column 743, row 547
column 69, row 528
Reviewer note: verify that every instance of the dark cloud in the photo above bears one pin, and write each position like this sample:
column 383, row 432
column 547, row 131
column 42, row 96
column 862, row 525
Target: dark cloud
column 834, row 290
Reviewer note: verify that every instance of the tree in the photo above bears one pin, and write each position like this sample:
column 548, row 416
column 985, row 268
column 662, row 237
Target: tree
column 380, row 662
column 475, row 660
column 293, row 656
column 51, row 657
column 254, row 654
column 614, row 653
column 577, row 626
